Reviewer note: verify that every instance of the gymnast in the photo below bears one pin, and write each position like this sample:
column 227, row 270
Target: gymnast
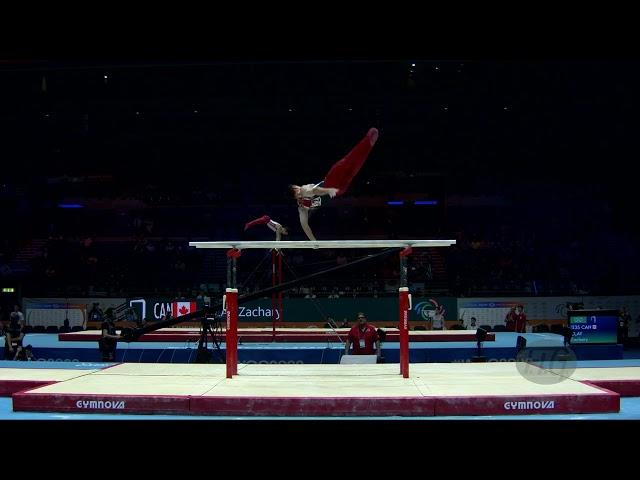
column 336, row 183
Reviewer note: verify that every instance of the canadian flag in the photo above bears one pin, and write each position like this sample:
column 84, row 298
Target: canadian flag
column 182, row 308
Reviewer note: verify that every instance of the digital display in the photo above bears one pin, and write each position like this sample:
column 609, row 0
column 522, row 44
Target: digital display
column 593, row 326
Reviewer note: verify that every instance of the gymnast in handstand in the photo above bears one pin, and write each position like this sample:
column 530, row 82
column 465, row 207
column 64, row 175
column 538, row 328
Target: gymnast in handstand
column 336, row 183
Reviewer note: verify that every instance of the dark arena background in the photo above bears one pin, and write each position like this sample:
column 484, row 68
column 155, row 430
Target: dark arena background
column 119, row 177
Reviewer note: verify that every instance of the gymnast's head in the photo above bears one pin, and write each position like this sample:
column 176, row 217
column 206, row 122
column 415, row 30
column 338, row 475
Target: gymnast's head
column 295, row 191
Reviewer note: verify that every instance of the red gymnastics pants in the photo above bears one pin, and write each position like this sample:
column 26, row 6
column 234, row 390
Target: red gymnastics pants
column 343, row 172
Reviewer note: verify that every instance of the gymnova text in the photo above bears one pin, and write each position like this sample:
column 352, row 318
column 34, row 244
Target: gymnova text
column 103, row 404
column 120, row 405
column 544, row 405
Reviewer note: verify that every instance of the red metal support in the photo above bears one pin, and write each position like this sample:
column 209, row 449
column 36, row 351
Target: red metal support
column 231, row 300
column 404, row 305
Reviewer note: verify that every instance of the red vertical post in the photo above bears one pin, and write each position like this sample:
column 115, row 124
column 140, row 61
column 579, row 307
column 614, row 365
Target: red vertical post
column 232, row 314
column 403, row 302
column 274, row 253
column 232, row 332
column 403, row 313
column 280, row 281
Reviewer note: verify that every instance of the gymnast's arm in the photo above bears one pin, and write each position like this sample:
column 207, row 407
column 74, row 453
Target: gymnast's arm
column 325, row 191
column 304, row 222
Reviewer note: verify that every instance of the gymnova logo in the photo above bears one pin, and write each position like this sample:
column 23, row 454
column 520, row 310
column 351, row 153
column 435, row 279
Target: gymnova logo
column 544, row 405
column 105, row 405
column 425, row 310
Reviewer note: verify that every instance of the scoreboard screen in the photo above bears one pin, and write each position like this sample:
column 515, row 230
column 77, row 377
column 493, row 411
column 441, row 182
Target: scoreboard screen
column 593, row 326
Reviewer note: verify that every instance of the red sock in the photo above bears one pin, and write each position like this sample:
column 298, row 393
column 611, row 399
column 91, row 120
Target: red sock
column 258, row 221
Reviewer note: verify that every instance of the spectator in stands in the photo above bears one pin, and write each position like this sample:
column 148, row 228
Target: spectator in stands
column 345, row 323
column 624, row 320
column 16, row 315
column 473, row 324
column 96, row 314
column 331, row 323
column 363, row 337
column 510, row 320
column 15, row 333
column 109, row 313
column 65, row 327
column 131, row 316
column 206, row 299
column 520, row 319
column 141, row 322
column 438, row 318
column 24, row 354
column 109, row 340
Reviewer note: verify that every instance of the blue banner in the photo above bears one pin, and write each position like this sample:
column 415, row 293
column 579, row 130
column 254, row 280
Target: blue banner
column 313, row 355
